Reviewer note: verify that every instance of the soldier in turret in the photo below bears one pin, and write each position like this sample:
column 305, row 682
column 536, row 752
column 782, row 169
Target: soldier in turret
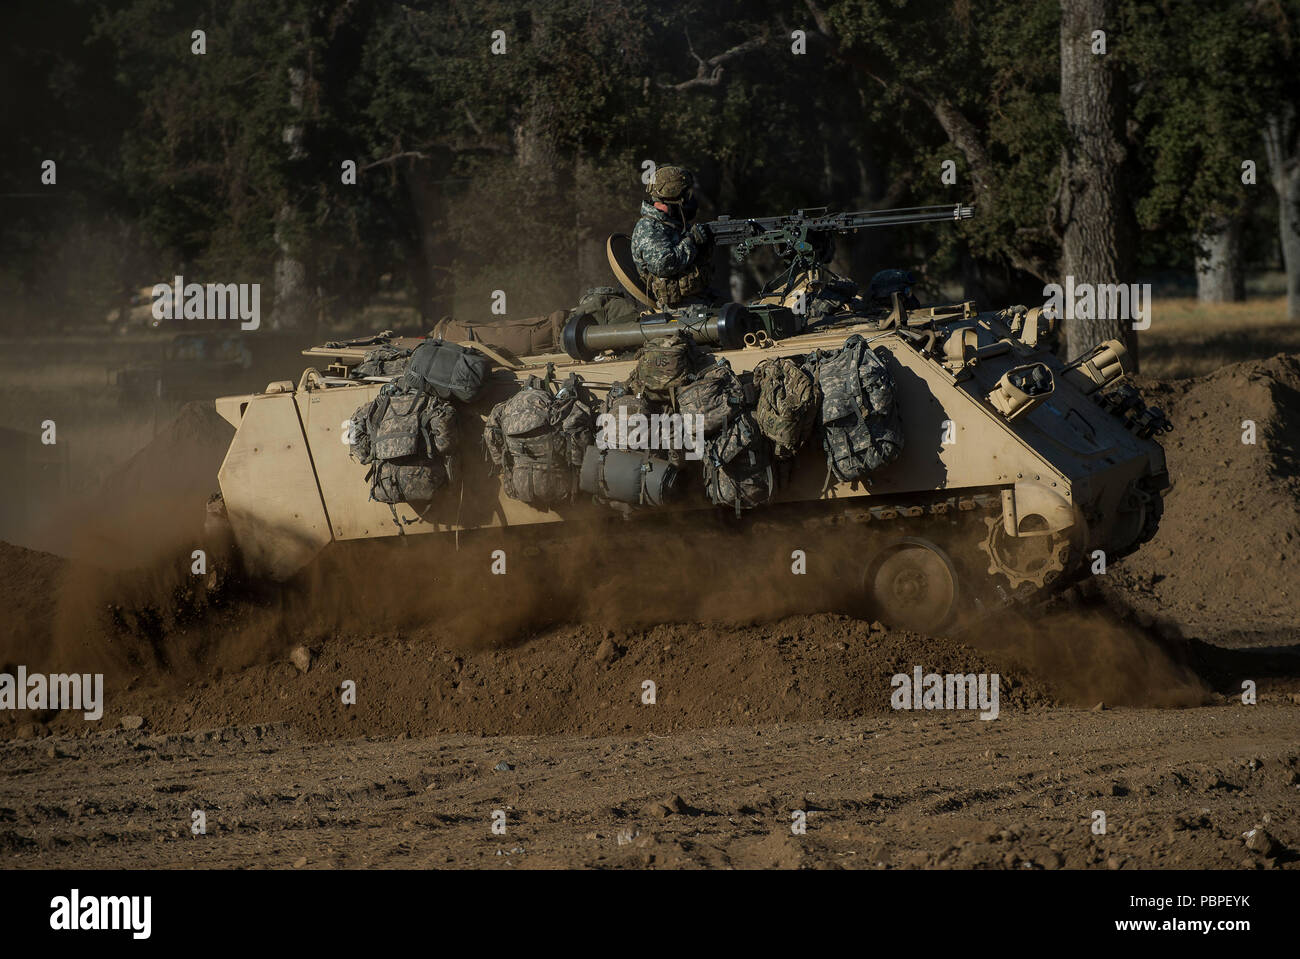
column 672, row 256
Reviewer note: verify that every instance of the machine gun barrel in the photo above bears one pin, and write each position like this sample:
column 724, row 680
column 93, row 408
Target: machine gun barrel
column 799, row 225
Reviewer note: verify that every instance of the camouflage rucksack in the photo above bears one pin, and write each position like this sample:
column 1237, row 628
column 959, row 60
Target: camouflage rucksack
column 409, row 441
column 607, row 305
column 738, row 466
column 656, row 432
column 620, row 395
column 787, row 404
column 861, row 428
column 618, row 400
column 536, row 439
column 715, row 393
column 382, row 361
column 362, row 425
column 664, row 363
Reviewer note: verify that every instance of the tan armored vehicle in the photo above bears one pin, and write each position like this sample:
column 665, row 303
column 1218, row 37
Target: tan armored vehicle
column 1014, row 470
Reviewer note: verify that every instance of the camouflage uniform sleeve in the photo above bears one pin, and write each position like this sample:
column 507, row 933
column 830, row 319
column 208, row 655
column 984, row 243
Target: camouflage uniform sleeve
column 657, row 249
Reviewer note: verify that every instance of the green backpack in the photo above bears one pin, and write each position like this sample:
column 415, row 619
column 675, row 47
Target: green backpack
column 536, row 440
column 862, row 430
column 409, row 441
column 665, row 363
column 738, row 466
column 447, row 369
column 716, row 394
column 787, row 404
column 607, row 305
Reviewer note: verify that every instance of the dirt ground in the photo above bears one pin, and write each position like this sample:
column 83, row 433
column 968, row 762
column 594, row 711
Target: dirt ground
column 1177, row 787
column 1122, row 697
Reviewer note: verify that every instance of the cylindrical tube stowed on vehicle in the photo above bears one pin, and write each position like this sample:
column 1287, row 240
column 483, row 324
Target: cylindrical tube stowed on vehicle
column 726, row 327
column 629, row 476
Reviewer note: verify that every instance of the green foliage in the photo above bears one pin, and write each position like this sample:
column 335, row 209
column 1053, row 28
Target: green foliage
column 1199, row 72
column 479, row 171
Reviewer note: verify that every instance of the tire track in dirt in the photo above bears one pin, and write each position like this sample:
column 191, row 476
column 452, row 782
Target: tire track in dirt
column 1177, row 787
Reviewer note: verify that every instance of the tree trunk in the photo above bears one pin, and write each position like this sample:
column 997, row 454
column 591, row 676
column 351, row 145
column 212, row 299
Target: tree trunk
column 292, row 309
column 1219, row 277
column 546, row 226
column 1096, row 220
column 435, row 281
column 593, row 267
column 1282, row 148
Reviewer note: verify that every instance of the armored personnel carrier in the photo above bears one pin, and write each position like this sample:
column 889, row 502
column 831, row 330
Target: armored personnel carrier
column 955, row 458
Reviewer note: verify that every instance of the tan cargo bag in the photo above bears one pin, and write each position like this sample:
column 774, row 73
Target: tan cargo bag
column 525, row 337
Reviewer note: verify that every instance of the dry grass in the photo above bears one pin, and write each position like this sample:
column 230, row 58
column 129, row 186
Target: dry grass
column 1188, row 338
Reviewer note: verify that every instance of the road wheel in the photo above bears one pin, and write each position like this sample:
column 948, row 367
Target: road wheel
column 912, row 583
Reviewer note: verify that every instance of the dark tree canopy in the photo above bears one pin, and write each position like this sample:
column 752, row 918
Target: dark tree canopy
column 478, row 170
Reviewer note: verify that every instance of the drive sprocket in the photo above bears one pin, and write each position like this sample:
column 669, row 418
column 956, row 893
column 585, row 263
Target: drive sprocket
column 1029, row 563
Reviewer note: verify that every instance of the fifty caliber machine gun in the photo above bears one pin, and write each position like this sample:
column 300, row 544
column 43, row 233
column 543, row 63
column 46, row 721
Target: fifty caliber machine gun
column 796, row 235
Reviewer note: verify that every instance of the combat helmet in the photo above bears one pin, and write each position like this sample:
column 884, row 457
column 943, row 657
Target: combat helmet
column 670, row 184
column 673, row 186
